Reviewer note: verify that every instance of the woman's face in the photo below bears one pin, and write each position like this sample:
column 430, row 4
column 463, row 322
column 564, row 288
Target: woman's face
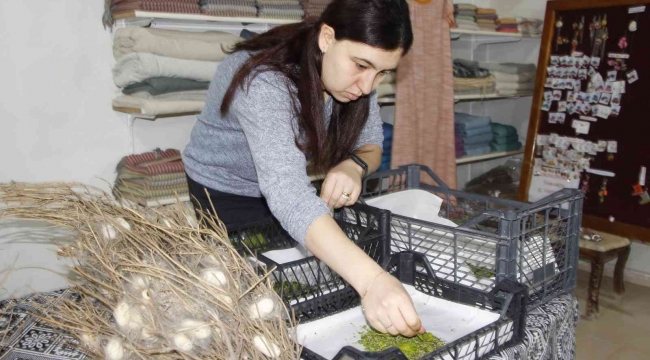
column 350, row 69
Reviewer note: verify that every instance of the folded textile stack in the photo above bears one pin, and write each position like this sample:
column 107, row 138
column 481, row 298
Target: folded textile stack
column 232, row 8
column 530, row 27
column 471, row 79
column 313, row 8
column 387, row 86
column 511, row 78
column 166, row 71
column 473, row 134
column 508, row 25
column 486, row 19
column 387, row 146
column 280, row 9
column 505, row 138
column 151, row 178
column 169, row 6
column 465, row 16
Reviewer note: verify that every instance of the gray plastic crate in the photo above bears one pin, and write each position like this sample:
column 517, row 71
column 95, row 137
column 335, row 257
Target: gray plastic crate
column 535, row 244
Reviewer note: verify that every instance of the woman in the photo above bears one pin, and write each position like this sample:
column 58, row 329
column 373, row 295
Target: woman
column 306, row 92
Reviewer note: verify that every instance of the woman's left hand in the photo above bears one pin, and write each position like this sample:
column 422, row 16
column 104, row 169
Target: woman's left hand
column 342, row 185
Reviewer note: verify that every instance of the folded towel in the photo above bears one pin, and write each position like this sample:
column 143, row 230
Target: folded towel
column 192, row 95
column 475, row 146
column 465, row 6
column 487, row 17
column 478, row 151
column 160, row 85
column 485, row 21
column 137, row 67
column 459, row 153
column 472, row 27
column 474, row 132
column 508, row 26
column 477, row 139
column 465, row 13
column 463, row 18
column 503, row 130
column 463, row 121
column 206, row 46
column 506, row 147
column 503, row 140
column 508, row 30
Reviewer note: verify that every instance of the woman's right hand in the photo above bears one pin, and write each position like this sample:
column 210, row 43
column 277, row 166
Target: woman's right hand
column 389, row 308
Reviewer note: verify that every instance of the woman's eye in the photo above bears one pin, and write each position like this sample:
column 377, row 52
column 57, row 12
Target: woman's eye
column 360, row 67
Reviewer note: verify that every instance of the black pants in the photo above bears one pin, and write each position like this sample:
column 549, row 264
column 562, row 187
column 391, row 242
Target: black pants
column 232, row 210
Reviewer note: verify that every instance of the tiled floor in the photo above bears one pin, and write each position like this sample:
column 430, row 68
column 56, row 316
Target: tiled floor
column 622, row 329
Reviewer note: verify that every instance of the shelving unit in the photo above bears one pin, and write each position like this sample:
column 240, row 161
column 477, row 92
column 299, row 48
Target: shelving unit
column 490, row 156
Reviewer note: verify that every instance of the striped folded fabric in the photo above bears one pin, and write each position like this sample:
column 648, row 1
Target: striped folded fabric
column 186, row 7
column 281, row 12
column 154, row 163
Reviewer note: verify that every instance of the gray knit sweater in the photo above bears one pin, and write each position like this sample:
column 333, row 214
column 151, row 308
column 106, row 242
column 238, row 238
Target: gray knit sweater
column 251, row 151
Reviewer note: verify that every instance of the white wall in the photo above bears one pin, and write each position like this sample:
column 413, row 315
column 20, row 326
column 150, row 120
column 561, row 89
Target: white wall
column 56, row 121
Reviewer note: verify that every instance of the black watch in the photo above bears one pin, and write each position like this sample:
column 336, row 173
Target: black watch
column 359, row 162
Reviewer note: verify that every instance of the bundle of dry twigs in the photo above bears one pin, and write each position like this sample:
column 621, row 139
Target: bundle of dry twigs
column 153, row 284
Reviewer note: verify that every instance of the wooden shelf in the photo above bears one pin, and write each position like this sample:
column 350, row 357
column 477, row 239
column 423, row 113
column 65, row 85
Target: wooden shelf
column 494, row 155
column 492, row 34
column 488, row 97
column 386, row 100
column 200, row 17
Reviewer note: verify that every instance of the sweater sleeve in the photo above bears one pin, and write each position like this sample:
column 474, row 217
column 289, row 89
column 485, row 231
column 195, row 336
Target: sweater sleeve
column 372, row 132
column 264, row 111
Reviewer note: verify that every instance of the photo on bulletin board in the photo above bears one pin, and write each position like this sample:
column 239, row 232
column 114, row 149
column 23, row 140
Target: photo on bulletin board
column 589, row 126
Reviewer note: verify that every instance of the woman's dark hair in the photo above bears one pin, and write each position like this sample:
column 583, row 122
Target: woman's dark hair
column 293, row 50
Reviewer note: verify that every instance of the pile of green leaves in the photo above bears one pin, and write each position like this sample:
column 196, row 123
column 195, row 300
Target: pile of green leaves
column 294, row 288
column 255, row 240
column 481, row 271
column 413, row 348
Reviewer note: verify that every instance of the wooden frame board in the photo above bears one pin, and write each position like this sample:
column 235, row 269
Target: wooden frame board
column 593, row 217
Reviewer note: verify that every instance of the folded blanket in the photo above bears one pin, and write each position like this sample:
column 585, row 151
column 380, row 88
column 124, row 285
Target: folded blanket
column 137, row 67
column 466, row 18
column 475, row 146
column 230, row 10
column 503, row 140
column 508, row 26
column 191, row 95
column 474, row 132
column 506, row 147
column 478, row 151
column 148, row 183
column 508, row 68
column 471, row 140
column 505, row 21
column 161, row 85
column 485, row 11
column 158, row 107
column 508, row 30
column 465, row 7
column 463, row 121
column 487, row 17
column 485, row 21
column 488, row 90
column 281, row 12
column 459, row 153
column 385, row 90
column 465, row 12
column 483, row 86
column 472, row 27
column 125, row 173
column 501, row 77
column 469, row 69
column 205, row 46
column 153, row 193
column 503, row 130
column 501, row 86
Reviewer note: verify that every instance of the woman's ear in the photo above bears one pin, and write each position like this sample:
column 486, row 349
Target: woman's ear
column 325, row 37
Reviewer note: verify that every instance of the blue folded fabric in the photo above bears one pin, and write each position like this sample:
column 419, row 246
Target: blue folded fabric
column 476, row 139
column 475, row 146
column 478, row 151
column 463, row 121
column 475, row 131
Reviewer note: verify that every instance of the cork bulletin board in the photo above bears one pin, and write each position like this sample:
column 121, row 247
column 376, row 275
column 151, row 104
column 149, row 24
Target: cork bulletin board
column 590, row 120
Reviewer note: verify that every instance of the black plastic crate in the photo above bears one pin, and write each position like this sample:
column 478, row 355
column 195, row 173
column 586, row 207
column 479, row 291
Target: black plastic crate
column 535, row 244
column 260, row 236
column 508, row 299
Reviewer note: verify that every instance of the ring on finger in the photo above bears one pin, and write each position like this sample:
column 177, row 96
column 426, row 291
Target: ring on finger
column 346, row 196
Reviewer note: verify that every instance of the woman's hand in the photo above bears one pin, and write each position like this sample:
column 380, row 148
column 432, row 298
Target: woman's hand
column 342, row 185
column 389, row 308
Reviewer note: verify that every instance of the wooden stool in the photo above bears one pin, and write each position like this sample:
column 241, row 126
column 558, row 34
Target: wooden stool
column 600, row 252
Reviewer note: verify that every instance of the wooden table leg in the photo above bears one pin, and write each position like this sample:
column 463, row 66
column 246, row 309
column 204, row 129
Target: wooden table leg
column 594, row 288
column 619, row 285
